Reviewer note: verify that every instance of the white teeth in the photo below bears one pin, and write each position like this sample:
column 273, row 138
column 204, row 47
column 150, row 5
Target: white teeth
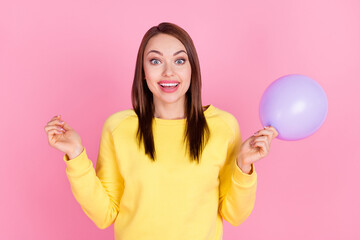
column 169, row 84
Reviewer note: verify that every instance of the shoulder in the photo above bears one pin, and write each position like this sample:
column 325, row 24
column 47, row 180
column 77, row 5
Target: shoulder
column 227, row 119
column 118, row 118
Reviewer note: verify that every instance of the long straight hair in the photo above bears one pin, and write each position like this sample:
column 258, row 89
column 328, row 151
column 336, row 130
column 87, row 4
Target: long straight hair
column 196, row 136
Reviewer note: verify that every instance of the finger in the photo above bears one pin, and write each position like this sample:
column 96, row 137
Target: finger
column 264, row 140
column 261, row 144
column 263, row 132
column 269, row 131
column 261, row 139
column 66, row 126
column 48, row 128
column 51, row 121
column 56, row 122
column 56, row 117
column 54, row 132
column 275, row 132
column 263, row 149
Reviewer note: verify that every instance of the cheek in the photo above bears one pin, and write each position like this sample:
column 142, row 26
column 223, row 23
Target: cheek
column 186, row 77
column 148, row 77
column 151, row 72
column 146, row 70
column 187, row 74
column 151, row 86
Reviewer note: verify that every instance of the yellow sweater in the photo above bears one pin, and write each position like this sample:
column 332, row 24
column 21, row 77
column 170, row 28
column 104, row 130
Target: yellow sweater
column 172, row 198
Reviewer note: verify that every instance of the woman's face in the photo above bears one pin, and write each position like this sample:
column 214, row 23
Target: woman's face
column 167, row 69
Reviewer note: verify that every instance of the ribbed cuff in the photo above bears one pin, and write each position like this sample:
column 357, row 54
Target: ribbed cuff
column 78, row 164
column 242, row 178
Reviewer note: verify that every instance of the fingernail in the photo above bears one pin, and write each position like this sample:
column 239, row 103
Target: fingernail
column 61, row 122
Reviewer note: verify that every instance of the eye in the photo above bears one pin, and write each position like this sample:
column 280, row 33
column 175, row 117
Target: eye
column 180, row 61
column 154, row 61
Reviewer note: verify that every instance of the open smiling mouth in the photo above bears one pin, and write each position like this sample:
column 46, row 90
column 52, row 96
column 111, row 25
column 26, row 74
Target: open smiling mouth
column 169, row 87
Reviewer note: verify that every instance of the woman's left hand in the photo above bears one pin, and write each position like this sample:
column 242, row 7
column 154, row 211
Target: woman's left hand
column 255, row 148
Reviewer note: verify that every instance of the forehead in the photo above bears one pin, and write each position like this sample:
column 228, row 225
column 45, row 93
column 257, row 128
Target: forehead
column 164, row 43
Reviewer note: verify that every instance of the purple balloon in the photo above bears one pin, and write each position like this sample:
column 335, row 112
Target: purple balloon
column 295, row 105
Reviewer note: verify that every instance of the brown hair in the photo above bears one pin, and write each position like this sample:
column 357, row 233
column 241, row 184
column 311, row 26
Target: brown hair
column 196, row 136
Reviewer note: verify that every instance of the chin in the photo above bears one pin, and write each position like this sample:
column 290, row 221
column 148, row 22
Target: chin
column 170, row 99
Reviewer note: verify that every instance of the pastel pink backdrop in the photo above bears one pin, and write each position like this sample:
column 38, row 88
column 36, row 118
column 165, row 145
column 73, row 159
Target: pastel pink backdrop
column 77, row 58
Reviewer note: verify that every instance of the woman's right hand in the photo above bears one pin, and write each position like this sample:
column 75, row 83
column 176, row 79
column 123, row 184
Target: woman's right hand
column 64, row 138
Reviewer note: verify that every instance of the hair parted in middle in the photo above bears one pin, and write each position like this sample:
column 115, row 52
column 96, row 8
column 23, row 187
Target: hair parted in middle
column 196, row 136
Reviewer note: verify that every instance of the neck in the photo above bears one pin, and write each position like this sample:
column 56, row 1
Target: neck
column 169, row 111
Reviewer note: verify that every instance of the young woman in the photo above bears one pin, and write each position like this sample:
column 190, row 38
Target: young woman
column 169, row 168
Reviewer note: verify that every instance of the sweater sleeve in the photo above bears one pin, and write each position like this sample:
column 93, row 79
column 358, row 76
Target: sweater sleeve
column 237, row 189
column 97, row 191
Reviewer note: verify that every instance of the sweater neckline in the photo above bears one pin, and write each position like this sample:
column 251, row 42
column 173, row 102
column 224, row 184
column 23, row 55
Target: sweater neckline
column 182, row 121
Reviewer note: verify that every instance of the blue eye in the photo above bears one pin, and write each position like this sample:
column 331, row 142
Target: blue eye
column 152, row 61
column 183, row 61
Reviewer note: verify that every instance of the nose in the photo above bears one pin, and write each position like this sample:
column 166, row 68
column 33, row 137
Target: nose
column 168, row 71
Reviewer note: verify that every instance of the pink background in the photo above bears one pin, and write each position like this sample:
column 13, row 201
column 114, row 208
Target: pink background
column 77, row 58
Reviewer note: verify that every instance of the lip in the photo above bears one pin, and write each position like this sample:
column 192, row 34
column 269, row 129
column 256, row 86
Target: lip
column 168, row 81
column 169, row 90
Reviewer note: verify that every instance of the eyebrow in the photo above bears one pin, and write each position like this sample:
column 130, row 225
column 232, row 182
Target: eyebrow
column 156, row 51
